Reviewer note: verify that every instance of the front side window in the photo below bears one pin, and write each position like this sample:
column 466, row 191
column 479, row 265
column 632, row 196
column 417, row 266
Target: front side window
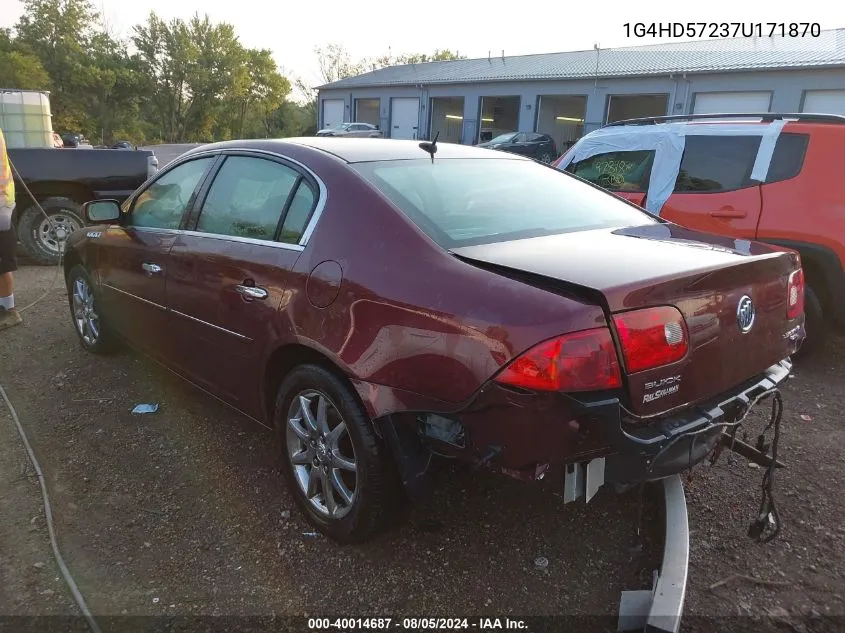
column 616, row 171
column 163, row 203
column 717, row 163
column 460, row 202
column 246, row 198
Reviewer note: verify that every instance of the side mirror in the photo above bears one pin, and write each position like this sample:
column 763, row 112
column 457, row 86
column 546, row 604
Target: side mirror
column 101, row 211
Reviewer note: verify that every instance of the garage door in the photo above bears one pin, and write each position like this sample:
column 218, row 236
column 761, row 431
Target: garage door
column 824, row 101
column 404, row 117
column 731, row 102
column 332, row 112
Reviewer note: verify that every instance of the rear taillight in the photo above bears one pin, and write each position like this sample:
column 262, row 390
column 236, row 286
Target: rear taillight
column 652, row 337
column 795, row 294
column 581, row 361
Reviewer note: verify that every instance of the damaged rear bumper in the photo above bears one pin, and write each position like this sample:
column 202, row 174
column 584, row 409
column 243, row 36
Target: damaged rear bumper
column 666, row 447
column 592, row 437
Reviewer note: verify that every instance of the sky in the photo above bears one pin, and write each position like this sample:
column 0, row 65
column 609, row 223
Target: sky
column 375, row 27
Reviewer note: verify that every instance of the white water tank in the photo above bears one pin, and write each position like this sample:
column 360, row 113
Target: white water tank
column 25, row 118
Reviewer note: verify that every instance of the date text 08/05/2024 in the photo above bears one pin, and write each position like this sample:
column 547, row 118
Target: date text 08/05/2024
column 722, row 29
column 416, row 624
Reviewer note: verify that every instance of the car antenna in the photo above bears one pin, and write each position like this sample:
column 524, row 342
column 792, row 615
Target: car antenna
column 431, row 148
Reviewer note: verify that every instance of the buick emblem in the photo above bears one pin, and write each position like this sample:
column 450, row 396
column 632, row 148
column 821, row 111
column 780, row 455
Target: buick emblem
column 745, row 314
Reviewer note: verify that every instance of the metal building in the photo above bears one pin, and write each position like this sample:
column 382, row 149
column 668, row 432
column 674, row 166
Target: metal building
column 571, row 93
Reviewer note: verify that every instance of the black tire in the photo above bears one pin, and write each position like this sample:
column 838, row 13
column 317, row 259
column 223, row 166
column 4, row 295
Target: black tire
column 814, row 323
column 37, row 237
column 104, row 342
column 545, row 157
column 374, row 506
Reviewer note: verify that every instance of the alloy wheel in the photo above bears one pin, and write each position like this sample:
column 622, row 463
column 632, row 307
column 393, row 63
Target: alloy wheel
column 84, row 315
column 321, row 452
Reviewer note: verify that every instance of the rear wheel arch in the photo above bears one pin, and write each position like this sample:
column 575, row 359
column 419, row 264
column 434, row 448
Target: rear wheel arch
column 286, row 358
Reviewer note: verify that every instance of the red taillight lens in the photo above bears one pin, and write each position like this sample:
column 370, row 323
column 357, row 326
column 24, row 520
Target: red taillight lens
column 795, row 294
column 652, row 337
column 582, row 361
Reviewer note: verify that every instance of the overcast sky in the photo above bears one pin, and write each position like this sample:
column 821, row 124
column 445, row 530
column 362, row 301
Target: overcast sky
column 291, row 29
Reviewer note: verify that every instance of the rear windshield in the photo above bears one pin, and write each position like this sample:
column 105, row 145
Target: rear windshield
column 462, row 202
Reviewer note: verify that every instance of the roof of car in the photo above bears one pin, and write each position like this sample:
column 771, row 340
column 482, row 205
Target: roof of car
column 360, row 150
column 733, row 118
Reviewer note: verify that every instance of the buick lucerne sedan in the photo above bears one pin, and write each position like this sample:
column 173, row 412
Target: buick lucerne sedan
column 379, row 301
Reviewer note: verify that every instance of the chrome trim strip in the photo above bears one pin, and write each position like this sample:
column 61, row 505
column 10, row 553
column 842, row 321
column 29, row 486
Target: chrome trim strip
column 670, row 590
column 150, row 229
column 211, row 325
column 224, row 238
column 181, row 314
column 136, row 297
column 246, row 240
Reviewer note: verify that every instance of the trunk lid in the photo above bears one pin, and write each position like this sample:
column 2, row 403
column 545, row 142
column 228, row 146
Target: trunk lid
column 703, row 276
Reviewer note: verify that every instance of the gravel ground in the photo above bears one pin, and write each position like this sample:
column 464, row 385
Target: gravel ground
column 184, row 512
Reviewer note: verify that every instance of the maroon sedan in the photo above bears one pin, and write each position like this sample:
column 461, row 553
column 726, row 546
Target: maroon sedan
column 380, row 301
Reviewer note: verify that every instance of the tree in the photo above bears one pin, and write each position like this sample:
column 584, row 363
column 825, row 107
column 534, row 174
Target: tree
column 417, row 58
column 113, row 88
column 184, row 80
column 259, row 89
column 59, row 33
column 204, row 84
column 335, row 63
column 19, row 69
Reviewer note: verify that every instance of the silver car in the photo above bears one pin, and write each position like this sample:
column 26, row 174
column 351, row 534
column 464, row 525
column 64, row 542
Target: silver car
column 359, row 130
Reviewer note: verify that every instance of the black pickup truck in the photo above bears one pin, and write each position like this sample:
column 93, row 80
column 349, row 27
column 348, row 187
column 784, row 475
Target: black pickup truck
column 61, row 180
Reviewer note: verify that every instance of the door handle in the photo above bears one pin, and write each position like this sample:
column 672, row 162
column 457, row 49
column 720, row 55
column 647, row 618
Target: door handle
column 151, row 269
column 728, row 213
column 251, row 292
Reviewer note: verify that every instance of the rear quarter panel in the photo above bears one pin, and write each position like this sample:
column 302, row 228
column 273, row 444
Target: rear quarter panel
column 408, row 315
column 809, row 207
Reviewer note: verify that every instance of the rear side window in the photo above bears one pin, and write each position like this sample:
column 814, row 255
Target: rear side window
column 462, row 202
column 247, row 198
column 717, row 163
column 616, row 171
column 299, row 212
column 788, row 158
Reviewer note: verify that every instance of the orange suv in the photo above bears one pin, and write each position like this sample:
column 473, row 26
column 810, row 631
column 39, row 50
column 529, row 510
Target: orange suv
column 773, row 178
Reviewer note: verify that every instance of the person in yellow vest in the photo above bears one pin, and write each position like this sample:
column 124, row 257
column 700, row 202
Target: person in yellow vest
column 8, row 242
